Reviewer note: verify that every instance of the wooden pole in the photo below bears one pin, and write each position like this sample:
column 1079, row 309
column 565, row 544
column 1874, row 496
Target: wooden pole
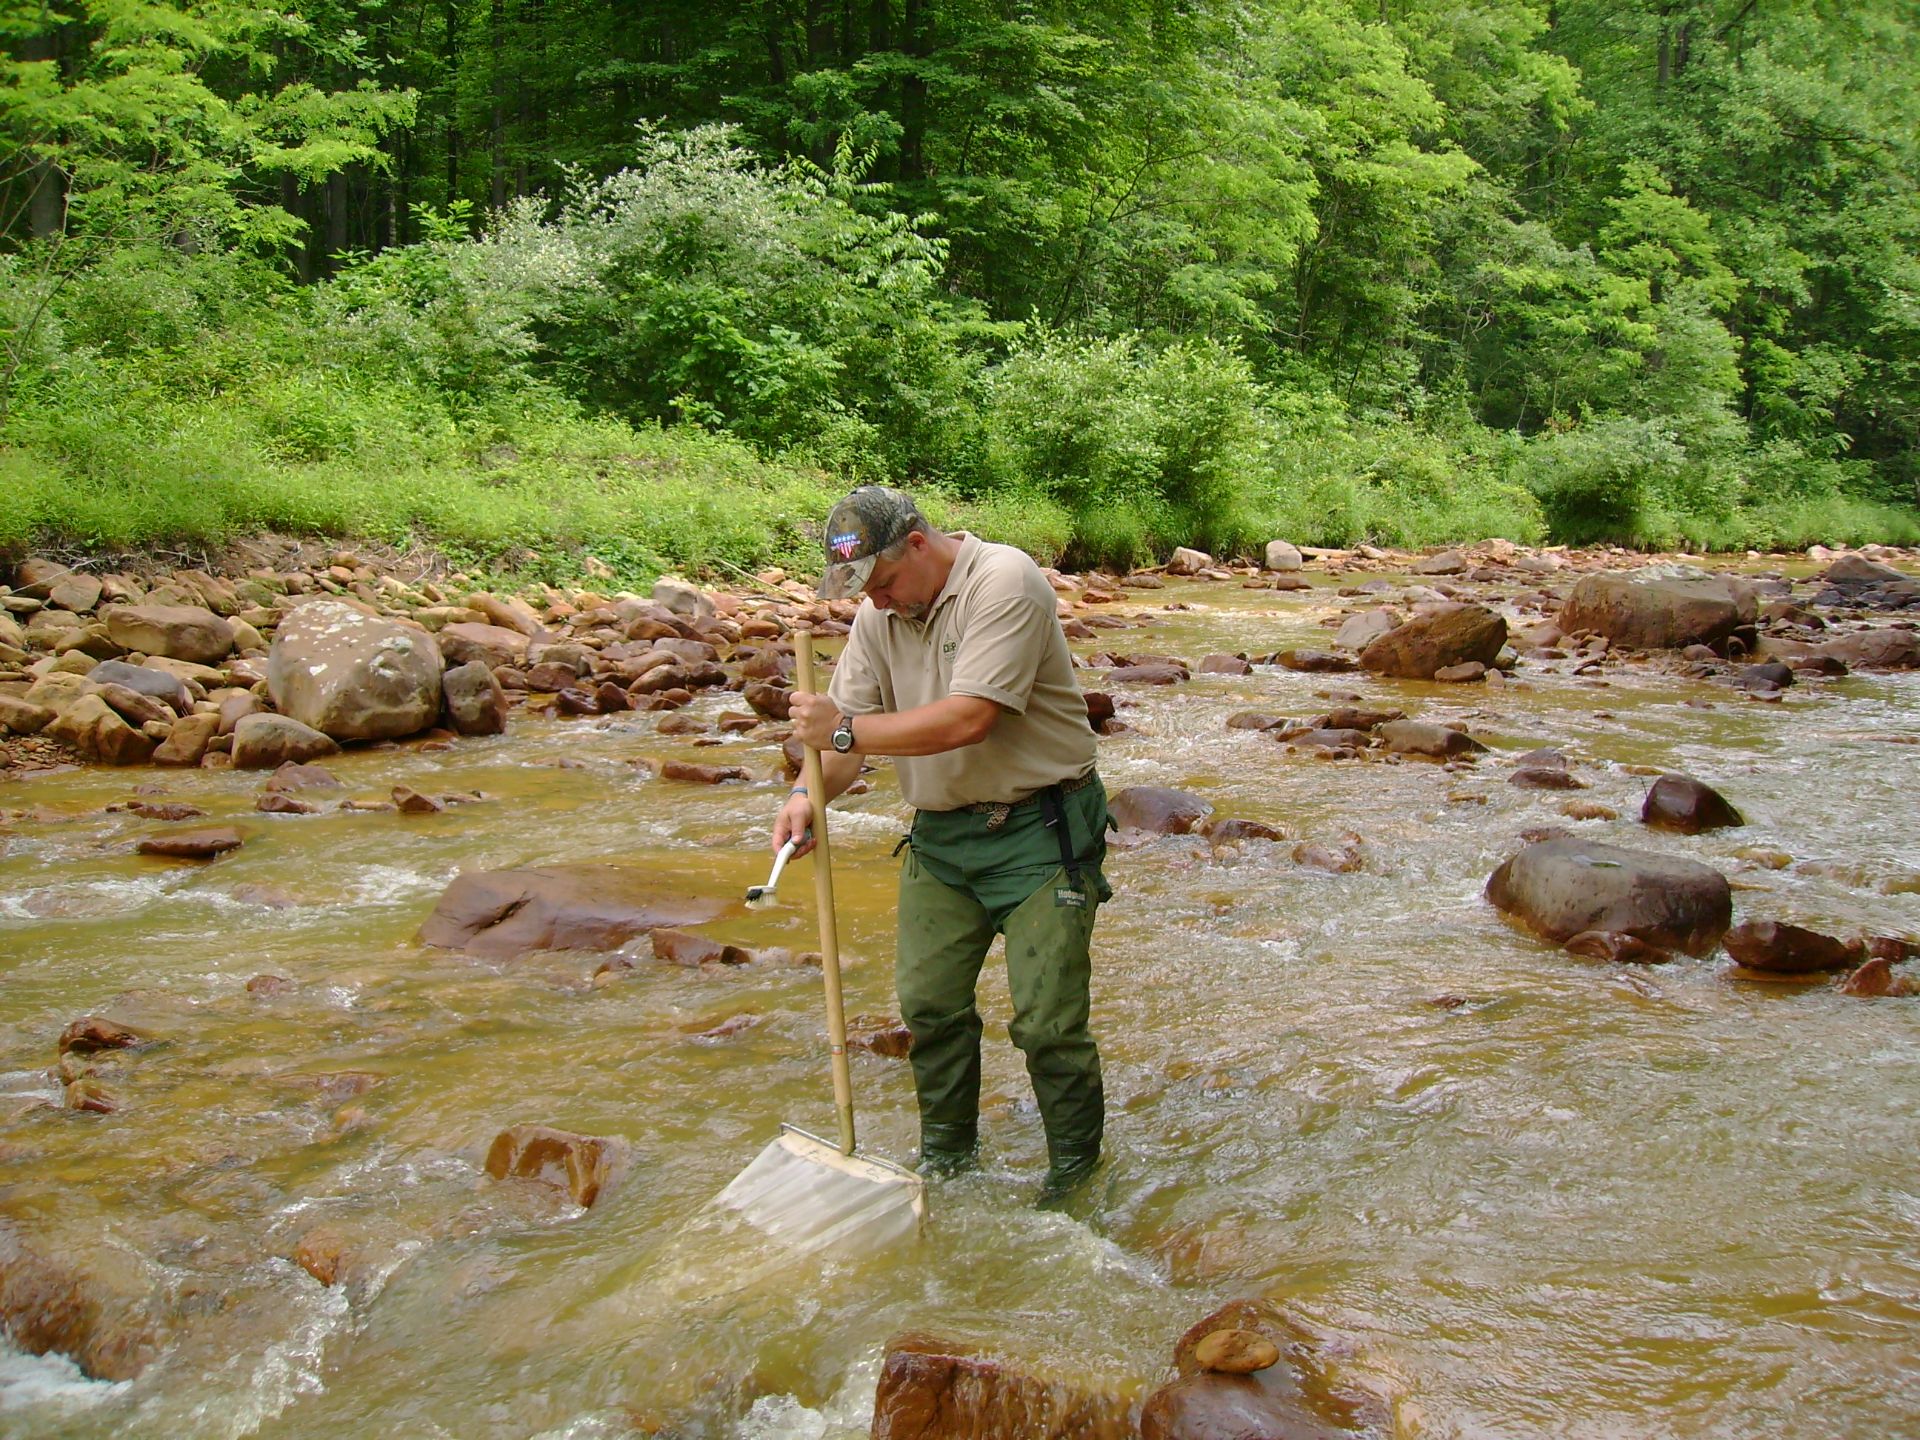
column 823, row 900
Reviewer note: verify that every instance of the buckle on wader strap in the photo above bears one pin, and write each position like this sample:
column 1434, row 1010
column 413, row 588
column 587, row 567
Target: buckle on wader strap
column 1054, row 808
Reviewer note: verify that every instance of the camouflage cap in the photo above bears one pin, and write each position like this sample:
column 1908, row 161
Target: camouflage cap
column 858, row 529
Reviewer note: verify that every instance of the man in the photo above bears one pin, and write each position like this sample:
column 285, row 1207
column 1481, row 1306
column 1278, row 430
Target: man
column 956, row 667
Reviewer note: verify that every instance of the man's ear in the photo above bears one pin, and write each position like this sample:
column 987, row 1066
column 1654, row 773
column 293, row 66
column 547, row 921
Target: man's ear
column 916, row 540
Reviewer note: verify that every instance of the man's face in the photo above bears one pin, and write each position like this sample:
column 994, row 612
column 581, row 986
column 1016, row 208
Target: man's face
column 905, row 586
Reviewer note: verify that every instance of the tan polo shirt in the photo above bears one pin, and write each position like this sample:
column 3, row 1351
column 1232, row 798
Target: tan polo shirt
column 993, row 633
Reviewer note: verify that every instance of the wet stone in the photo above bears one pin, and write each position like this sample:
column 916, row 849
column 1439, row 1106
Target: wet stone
column 409, row 801
column 92, row 1034
column 1785, row 949
column 697, row 774
column 203, row 844
column 1235, row 1352
column 581, row 1165
column 1688, row 806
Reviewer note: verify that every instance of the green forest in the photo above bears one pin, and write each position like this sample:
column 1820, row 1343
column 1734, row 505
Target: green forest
column 536, row 279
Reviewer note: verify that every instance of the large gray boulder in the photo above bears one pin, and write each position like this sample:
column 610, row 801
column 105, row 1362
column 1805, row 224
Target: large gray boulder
column 1439, row 637
column 1282, row 555
column 354, row 676
column 180, row 632
column 1663, row 607
column 1562, row 888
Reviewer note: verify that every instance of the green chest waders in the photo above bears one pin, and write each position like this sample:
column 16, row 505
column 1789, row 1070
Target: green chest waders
column 1016, row 871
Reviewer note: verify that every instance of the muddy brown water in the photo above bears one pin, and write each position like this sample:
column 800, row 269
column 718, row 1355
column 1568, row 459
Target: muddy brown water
column 1570, row 1198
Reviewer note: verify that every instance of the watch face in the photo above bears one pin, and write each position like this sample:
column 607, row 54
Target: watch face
column 843, row 736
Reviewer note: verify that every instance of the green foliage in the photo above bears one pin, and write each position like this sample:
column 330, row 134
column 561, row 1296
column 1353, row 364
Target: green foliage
column 1102, row 278
column 1143, row 450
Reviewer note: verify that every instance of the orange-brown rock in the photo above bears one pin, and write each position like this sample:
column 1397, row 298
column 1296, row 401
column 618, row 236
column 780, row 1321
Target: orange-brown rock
column 1787, row 949
column 91, row 1034
column 92, row 727
column 186, row 743
column 1874, row 980
column 203, row 844
column 582, row 1165
column 321, row 1253
column 1235, row 1352
column 879, row 1035
column 1444, row 636
column 932, row 1389
column 409, row 801
column 702, row 774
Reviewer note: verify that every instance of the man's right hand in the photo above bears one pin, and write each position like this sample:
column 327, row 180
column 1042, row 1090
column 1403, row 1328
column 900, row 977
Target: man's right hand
column 795, row 821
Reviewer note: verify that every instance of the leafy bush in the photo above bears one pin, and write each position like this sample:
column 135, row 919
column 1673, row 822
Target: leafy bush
column 1144, row 451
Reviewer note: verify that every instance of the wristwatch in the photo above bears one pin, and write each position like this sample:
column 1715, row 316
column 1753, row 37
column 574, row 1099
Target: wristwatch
column 843, row 735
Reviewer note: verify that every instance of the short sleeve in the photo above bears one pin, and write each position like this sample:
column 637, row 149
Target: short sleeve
column 855, row 685
column 1000, row 654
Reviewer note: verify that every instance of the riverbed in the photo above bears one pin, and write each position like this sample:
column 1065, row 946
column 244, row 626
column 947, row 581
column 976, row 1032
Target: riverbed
column 1512, row 1192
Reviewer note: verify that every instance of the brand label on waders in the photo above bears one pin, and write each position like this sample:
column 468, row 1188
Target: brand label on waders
column 1065, row 897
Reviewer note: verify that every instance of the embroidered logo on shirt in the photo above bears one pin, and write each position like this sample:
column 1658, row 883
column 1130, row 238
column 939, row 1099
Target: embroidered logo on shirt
column 946, row 650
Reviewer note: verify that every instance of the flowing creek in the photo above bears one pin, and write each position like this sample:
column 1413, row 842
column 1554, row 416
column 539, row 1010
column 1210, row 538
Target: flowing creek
column 1517, row 1193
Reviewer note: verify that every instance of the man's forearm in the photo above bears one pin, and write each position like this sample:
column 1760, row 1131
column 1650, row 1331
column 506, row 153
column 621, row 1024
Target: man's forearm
column 948, row 724
column 838, row 771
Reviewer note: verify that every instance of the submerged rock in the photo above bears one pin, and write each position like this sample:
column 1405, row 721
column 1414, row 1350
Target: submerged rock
column 500, row 914
column 91, row 1034
column 1562, row 887
column 96, row 1312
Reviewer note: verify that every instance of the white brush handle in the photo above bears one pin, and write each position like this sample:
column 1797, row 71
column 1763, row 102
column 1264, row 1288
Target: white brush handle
column 780, row 863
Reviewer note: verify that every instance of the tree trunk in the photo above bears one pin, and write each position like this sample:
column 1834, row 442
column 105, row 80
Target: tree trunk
column 497, row 84
column 451, row 58
column 913, row 91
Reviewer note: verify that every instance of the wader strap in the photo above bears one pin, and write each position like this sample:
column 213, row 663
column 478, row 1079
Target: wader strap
column 1055, row 809
column 904, row 842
